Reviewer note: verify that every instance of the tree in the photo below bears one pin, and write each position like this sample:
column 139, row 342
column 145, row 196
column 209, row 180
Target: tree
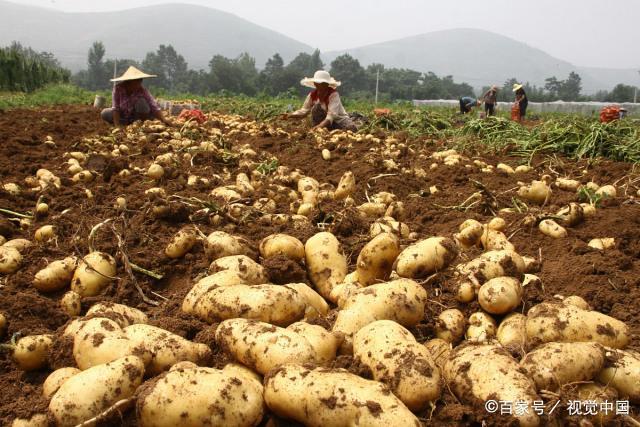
column 553, row 86
column 169, row 66
column 97, row 75
column 621, row 93
column 272, row 76
column 348, row 70
column 571, row 87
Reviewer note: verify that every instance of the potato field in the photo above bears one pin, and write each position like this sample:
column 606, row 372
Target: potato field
column 252, row 272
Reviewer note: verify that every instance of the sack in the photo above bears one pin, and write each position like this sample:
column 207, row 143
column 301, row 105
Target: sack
column 515, row 112
column 195, row 115
column 609, row 113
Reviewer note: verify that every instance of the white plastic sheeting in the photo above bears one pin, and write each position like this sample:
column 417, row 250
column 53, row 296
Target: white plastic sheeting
column 585, row 108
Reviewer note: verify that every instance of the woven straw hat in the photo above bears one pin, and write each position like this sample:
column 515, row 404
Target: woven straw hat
column 133, row 73
column 320, row 76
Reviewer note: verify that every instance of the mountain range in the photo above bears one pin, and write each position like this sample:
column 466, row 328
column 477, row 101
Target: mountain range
column 474, row 56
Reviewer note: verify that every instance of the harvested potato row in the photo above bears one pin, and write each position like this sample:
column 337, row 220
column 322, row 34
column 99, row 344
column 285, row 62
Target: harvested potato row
column 553, row 322
column 326, row 263
column 202, row 396
column 247, row 269
column 426, row 257
column 323, row 397
column 477, row 373
column 89, row 393
column 397, row 360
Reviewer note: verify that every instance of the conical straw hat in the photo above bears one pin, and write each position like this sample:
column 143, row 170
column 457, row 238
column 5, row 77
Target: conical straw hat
column 133, row 73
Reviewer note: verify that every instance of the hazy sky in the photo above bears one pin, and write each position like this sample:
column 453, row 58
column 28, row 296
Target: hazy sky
column 585, row 32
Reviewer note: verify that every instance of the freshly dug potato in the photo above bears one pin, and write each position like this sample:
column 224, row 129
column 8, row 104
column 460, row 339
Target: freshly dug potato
column 572, row 215
column 90, row 392
column 607, row 191
column 323, row 397
column 599, row 394
column 56, row 379
column 308, row 189
column 389, row 225
column 500, row 295
column 37, row 420
column 396, row 359
column 19, row 244
column 470, row 233
column 346, row 186
column 477, row 373
column 93, row 274
column 262, row 346
column 166, row 348
column 45, row 233
column 55, row 276
column 10, row 259
column 247, row 269
column 537, row 192
column 316, row 305
column 98, row 341
column 482, row 327
column 122, row 314
column 402, row 301
column 551, row 228
column 450, row 325
column 326, row 263
column 577, row 301
column 200, row 288
column 439, row 350
column 376, row 258
column 325, row 344
column 31, row 352
column 220, row 244
column 487, row 266
column 181, row 243
column 202, row 397
column 555, row 364
column 622, row 372
column 494, row 240
column 512, row 333
column 426, row 257
column 273, row 304
column 552, row 322
column 567, row 184
column 603, row 243
column 282, row 244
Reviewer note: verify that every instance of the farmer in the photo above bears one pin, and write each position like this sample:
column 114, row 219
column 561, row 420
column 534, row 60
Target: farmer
column 131, row 101
column 467, row 103
column 324, row 104
column 490, row 99
column 521, row 99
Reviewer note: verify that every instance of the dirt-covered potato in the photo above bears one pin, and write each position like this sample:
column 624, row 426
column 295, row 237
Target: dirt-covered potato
column 55, row 276
column 324, row 397
column 220, row 244
column 88, row 393
column 512, row 333
column 98, row 341
column 487, row 266
column 346, row 186
column 247, row 269
column 600, row 394
column 480, row 372
column 94, row 272
column 10, row 259
column 603, row 243
column 402, row 301
column 45, row 233
column 470, row 233
column 558, row 322
column 282, row 244
column 500, row 295
column 552, row 229
column 273, row 304
column 396, row 359
column 494, row 240
column 376, row 258
column 202, row 397
column 37, row 420
column 555, row 364
column 316, row 305
column 122, row 314
column 537, row 192
column 326, row 263
column 31, row 352
column 482, row 327
column 262, row 346
column 450, row 325
column 426, row 257
column 56, row 379
column 325, row 344
column 208, row 283
column 181, row 243
column 622, row 372
column 439, row 350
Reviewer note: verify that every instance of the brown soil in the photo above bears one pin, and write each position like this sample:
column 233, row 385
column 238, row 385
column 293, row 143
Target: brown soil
column 609, row 280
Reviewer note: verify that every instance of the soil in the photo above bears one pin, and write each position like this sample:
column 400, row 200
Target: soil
column 608, row 280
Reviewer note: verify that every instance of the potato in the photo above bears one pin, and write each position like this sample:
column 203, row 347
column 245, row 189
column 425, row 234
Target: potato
column 497, row 224
column 549, row 322
column 372, row 210
column 537, row 192
column 220, row 244
column 247, row 269
column 388, row 225
column 273, row 304
column 450, row 325
column 167, row 348
column 402, row 301
column 19, row 244
column 599, row 394
column 90, row 392
column 31, row 352
column 512, row 333
column 477, row 373
column 282, row 244
column 603, row 243
column 99, row 340
column 93, row 274
column 439, row 350
column 308, row 189
column 426, row 257
column 316, row 305
column 487, row 266
column 42, row 209
column 607, row 191
column 82, row 176
column 567, row 184
column 500, row 295
column 555, row 364
column 482, row 327
column 502, row 167
column 55, row 276
column 155, row 171
column 37, row 420
column 202, row 396
column 376, row 259
column 346, row 186
column 10, row 259
column 588, row 209
column 493, row 240
column 326, row 264
column 470, row 232
column 577, row 301
column 56, row 379
column 71, row 304
column 324, row 343
column 45, row 233
column 262, row 346
column 323, row 397
column 225, row 193
column 181, row 243
column 622, row 372
column 397, row 360
column 204, row 285
column 121, row 314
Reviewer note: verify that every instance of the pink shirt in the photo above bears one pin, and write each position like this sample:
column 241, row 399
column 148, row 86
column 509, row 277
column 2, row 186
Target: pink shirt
column 125, row 103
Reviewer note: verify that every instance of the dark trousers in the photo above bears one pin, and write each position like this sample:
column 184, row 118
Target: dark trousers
column 490, row 109
column 318, row 114
column 523, row 108
column 141, row 111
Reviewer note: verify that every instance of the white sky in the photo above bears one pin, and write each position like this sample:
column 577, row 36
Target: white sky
column 585, row 32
